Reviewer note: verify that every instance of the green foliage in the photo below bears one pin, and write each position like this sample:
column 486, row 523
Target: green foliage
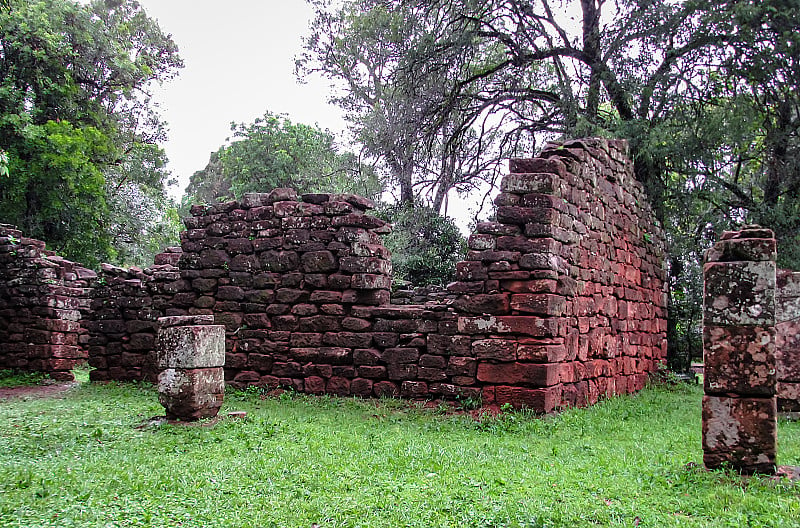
column 273, row 152
column 425, row 246
column 77, row 124
column 57, row 189
column 91, row 456
column 3, row 163
column 15, row 378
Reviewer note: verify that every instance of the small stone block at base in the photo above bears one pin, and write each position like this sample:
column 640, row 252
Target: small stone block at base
column 191, row 394
column 740, row 433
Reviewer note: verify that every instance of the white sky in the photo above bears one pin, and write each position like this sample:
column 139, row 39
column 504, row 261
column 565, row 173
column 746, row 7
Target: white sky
column 239, row 62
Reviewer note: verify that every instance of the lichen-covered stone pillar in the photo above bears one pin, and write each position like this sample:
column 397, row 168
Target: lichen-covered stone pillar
column 787, row 325
column 190, row 352
column 739, row 406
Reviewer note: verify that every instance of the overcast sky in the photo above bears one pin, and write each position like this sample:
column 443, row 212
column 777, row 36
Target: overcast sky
column 239, row 58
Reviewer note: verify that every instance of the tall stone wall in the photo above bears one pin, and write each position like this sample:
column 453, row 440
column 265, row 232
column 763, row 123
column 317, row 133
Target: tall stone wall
column 787, row 328
column 43, row 301
column 567, row 286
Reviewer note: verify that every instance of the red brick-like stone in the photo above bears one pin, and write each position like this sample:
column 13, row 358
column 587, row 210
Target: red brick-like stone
column 536, row 374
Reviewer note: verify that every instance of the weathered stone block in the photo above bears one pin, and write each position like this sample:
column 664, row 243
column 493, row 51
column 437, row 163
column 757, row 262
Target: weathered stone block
column 191, row 394
column 739, row 293
column 788, row 394
column 544, row 400
column 510, row 324
column 739, row 360
column 743, row 249
column 498, row 349
column 496, row 303
column 189, row 347
column 740, row 432
column 535, row 374
column 535, row 182
column 542, row 303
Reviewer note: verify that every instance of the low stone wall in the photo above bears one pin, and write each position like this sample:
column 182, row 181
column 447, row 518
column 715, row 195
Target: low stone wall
column 122, row 325
column 787, row 328
column 43, row 299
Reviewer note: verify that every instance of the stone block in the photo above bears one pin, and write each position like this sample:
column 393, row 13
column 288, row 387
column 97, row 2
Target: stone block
column 742, row 249
column 190, row 347
column 532, row 374
column 544, row 400
column 191, row 394
column 788, row 394
column 511, row 324
column 739, row 293
column 532, row 182
column 483, row 303
column 740, row 432
column 739, row 360
column 497, row 349
column 542, row 304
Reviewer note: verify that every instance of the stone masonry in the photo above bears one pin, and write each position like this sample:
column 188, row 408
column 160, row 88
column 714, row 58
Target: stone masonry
column 739, row 406
column 787, row 327
column 559, row 301
column 43, row 301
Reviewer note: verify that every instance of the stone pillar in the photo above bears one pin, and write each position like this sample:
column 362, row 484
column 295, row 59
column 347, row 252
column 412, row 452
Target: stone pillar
column 190, row 352
column 739, row 406
column 787, row 319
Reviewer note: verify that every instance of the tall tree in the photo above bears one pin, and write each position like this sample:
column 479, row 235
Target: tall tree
column 365, row 48
column 274, row 152
column 78, row 124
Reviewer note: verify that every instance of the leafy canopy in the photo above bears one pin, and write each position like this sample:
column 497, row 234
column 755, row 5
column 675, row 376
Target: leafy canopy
column 78, row 126
column 273, row 152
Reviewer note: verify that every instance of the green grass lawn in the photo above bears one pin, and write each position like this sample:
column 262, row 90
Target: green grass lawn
column 300, row 461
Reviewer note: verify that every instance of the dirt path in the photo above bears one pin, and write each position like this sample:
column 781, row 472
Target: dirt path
column 49, row 390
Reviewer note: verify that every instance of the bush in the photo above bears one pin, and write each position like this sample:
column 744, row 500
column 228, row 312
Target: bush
column 425, row 246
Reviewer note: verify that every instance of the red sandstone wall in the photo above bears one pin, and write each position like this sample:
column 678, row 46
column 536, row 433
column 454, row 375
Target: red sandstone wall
column 125, row 307
column 571, row 278
column 560, row 299
column 43, row 299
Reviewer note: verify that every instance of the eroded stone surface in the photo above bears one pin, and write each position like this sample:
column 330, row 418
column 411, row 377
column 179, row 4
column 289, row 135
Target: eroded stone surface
column 190, row 347
column 787, row 314
column 739, row 293
column 740, row 432
column 740, row 360
column 191, row 394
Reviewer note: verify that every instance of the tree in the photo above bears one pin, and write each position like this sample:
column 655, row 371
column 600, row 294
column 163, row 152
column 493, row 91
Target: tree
column 77, row 122
column 366, row 48
column 425, row 246
column 273, row 152
column 702, row 90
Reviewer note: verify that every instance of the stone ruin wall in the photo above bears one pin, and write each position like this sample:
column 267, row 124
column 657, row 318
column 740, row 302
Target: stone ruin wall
column 559, row 301
column 44, row 301
column 787, row 328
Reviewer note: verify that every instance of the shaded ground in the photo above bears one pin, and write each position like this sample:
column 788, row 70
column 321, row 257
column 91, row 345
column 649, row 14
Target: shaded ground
column 46, row 390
